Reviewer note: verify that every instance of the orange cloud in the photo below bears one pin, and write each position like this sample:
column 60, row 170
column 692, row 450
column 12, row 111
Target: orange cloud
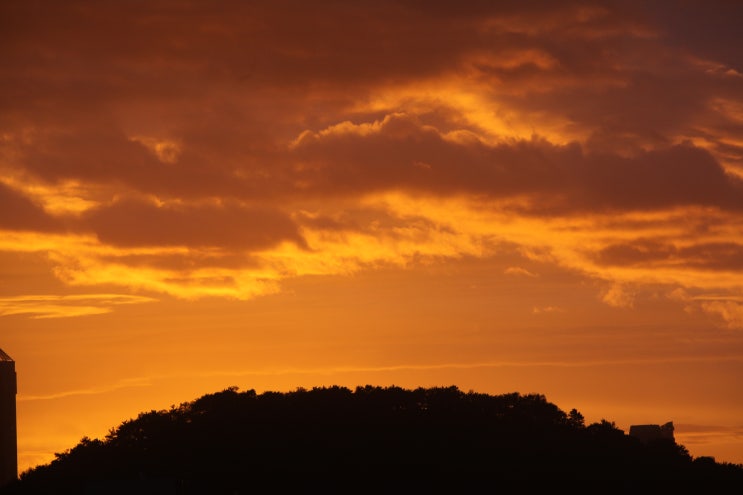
column 517, row 270
column 54, row 306
column 225, row 224
column 220, row 152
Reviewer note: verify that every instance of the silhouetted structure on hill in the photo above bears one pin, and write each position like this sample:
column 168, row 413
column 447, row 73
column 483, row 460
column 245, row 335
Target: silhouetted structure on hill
column 650, row 433
column 8, row 436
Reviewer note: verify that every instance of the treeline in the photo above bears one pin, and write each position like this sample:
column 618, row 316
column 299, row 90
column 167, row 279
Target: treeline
column 232, row 442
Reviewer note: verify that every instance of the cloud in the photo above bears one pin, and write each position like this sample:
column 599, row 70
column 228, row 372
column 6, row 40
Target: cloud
column 726, row 307
column 558, row 178
column 218, row 137
column 699, row 255
column 20, row 213
column 66, row 306
column 166, row 150
column 218, row 150
column 708, row 33
column 547, row 309
column 619, row 296
column 731, row 312
column 225, row 224
column 517, row 270
column 692, row 434
column 103, row 389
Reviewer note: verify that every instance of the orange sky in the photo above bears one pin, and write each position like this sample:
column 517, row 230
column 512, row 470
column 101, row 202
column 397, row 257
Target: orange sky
column 540, row 197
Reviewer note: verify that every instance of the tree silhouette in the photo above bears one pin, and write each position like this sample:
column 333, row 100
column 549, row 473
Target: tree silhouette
column 229, row 441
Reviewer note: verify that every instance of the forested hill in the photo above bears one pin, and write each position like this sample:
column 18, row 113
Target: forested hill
column 232, row 442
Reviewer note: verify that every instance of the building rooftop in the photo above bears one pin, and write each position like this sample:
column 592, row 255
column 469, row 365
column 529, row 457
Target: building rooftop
column 5, row 357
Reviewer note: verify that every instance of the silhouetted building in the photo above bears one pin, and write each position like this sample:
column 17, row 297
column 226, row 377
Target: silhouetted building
column 648, row 433
column 8, row 435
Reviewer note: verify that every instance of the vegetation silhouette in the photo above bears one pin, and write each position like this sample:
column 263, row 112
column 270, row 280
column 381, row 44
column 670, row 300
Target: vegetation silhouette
column 232, row 442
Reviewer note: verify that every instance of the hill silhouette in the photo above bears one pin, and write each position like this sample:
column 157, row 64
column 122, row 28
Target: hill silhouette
column 233, row 442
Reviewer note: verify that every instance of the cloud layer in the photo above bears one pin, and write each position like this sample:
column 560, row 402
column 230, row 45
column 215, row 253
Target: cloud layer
column 196, row 150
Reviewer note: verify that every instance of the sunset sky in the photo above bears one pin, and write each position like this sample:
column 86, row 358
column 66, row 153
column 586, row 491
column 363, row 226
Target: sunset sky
column 536, row 197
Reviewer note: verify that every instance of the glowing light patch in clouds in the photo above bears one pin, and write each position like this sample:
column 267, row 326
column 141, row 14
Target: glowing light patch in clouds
column 166, row 150
column 69, row 197
column 428, row 229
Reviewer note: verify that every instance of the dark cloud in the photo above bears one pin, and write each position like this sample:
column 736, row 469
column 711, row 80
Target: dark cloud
column 639, row 252
column 20, row 213
column 707, row 29
column 185, row 262
column 108, row 156
column 160, row 48
column 371, row 221
column 90, row 154
column 139, row 223
column 77, row 56
column 403, row 153
column 648, row 252
column 88, row 89
column 675, row 176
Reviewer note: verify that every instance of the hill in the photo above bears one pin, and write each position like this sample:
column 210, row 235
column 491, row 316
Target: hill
column 232, row 442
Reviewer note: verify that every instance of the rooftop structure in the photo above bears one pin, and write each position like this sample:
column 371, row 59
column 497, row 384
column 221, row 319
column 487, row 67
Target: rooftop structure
column 8, row 433
column 649, row 433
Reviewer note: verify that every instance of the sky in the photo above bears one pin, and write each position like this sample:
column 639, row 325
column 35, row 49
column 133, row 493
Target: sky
column 535, row 197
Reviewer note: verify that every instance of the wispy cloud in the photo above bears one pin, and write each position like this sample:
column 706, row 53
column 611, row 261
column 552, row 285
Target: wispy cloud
column 66, row 306
column 335, row 370
column 95, row 390
column 517, row 270
column 692, row 434
column 547, row 309
column 727, row 307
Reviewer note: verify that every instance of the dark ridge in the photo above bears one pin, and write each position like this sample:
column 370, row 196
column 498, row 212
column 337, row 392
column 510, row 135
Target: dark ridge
column 333, row 438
